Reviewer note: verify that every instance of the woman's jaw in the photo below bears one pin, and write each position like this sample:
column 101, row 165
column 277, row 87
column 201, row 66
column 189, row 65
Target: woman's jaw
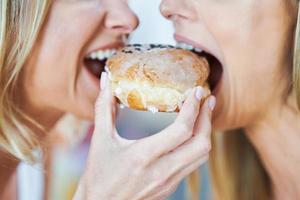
column 57, row 77
column 92, row 64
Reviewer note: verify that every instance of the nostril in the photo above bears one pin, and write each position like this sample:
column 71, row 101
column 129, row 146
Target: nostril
column 168, row 12
column 121, row 28
column 170, row 17
column 123, row 24
column 165, row 11
column 121, row 19
column 177, row 9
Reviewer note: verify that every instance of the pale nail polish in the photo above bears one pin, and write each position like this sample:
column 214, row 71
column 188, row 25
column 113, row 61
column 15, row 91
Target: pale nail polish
column 103, row 80
column 199, row 93
column 212, row 103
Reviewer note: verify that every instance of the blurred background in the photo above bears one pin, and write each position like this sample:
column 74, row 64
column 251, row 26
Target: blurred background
column 65, row 159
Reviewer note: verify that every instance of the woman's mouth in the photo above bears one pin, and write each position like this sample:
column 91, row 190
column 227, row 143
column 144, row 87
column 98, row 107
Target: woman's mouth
column 95, row 61
column 215, row 65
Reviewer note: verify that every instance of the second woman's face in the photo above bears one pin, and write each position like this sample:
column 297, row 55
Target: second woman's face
column 252, row 40
column 63, row 71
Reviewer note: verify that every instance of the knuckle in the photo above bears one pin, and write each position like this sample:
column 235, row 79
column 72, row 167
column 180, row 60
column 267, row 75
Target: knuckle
column 206, row 158
column 138, row 161
column 158, row 178
column 183, row 128
column 182, row 131
column 205, row 147
column 157, row 186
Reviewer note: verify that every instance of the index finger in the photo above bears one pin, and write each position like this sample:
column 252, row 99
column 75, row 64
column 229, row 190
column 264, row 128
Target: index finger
column 178, row 132
column 105, row 109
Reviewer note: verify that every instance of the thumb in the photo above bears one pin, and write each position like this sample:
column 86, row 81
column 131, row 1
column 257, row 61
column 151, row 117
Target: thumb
column 105, row 108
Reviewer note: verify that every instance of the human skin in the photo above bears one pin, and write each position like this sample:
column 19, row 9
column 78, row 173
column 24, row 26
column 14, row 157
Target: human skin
column 55, row 81
column 253, row 40
column 150, row 171
column 56, row 67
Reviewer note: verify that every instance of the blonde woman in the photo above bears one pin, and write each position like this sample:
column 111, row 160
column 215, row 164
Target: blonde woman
column 48, row 67
column 257, row 85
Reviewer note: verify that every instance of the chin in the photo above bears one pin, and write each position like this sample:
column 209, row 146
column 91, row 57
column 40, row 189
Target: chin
column 84, row 116
column 84, row 111
column 88, row 116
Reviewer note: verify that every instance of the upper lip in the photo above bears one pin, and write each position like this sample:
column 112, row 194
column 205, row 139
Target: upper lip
column 111, row 45
column 183, row 39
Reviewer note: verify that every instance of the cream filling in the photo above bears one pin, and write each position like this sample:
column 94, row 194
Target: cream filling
column 150, row 95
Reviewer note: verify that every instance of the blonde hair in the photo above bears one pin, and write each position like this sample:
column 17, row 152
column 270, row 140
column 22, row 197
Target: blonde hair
column 20, row 24
column 296, row 61
column 236, row 169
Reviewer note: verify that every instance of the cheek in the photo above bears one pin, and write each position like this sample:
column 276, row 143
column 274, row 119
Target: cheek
column 254, row 62
column 55, row 67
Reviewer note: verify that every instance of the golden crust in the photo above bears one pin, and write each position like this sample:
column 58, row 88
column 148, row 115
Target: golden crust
column 146, row 78
column 134, row 100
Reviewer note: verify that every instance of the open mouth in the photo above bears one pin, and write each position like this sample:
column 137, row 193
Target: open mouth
column 216, row 68
column 95, row 61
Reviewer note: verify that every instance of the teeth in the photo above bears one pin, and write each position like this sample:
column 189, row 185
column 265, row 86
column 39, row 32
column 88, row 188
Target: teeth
column 93, row 55
column 198, row 50
column 185, row 46
column 189, row 47
column 102, row 54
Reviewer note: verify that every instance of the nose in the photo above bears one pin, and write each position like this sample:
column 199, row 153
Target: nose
column 174, row 9
column 121, row 18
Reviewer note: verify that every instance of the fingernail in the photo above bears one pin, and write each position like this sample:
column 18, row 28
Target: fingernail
column 199, row 93
column 212, row 102
column 103, row 80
